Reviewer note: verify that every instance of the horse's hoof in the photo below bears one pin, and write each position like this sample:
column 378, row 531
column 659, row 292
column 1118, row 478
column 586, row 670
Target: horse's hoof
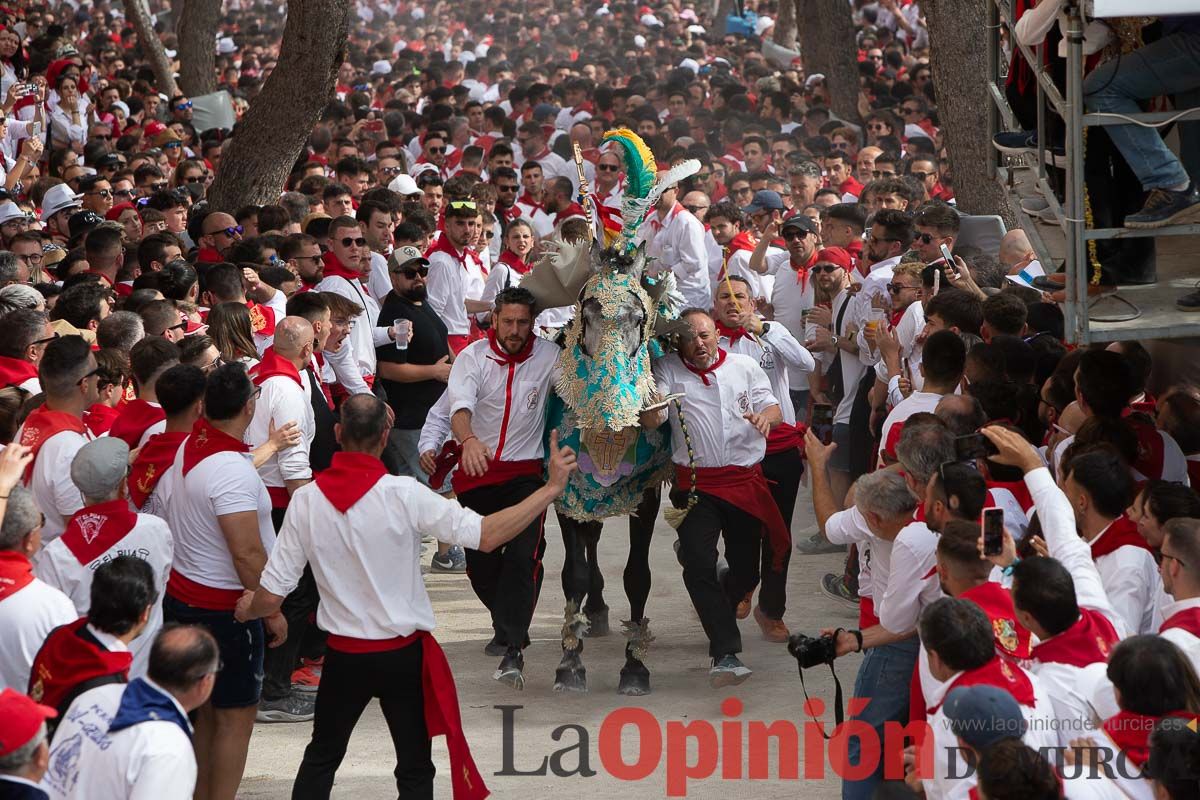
column 597, row 622
column 635, row 682
column 571, row 675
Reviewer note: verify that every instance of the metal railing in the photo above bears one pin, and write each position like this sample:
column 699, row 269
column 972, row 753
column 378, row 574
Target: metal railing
column 1070, row 214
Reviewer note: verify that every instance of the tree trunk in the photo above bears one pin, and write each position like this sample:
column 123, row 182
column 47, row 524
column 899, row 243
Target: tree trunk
column 785, row 26
column 959, row 65
column 826, row 37
column 270, row 136
column 149, row 43
column 196, row 31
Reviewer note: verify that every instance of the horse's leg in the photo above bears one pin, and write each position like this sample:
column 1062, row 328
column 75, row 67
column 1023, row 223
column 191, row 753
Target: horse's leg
column 635, row 676
column 570, row 676
column 595, row 607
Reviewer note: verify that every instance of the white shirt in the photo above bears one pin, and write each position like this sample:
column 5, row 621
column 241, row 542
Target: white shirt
column 356, row 357
column 909, row 586
column 852, row 367
column 1132, row 582
column 278, row 306
column 501, row 276
column 677, row 242
column 761, row 286
column 283, row 401
column 495, row 394
column 367, row 562
column 379, row 283
column 776, row 351
column 1187, row 642
column 860, row 308
column 224, row 483
column 450, row 284
column 915, row 403
column 874, row 554
column 152, row 760
column 720, row 434
column 26, row 618
column 150, row 540
column 789, row 298
column 910, row 326
column 53, row 490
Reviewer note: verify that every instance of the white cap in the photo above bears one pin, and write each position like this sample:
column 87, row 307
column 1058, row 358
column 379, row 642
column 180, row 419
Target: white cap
column 650, row 21
column 225, row 46
column 381, row 67
column 10, row 211
column 813, row 79
column 418, row 13
column 762, row 24
column 691, row 64
column 422, row 166
column 603, row 11
column 914, row 131
column 405, row 185
column 639, row 41
column 59, row 198
column 697, row 29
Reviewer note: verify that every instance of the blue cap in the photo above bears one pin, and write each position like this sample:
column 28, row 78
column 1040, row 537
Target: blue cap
column 765, row 200
column 543, row 111
column 982, row 715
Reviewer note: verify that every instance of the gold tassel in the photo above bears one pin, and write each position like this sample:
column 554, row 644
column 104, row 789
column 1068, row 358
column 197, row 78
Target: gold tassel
column 675, row 516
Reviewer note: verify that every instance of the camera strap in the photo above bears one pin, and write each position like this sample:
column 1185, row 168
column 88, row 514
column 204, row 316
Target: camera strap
column 838, row 712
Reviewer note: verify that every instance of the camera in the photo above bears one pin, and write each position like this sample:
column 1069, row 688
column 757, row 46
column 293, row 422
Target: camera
column 811, row 651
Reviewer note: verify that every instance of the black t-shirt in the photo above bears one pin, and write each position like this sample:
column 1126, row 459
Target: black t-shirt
column 412, row 401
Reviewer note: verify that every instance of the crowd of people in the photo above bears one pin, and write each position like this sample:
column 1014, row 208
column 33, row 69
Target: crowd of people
column 229, row 434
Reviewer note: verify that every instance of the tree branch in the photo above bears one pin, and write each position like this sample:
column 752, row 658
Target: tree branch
column 196, row 31
column 138, row 14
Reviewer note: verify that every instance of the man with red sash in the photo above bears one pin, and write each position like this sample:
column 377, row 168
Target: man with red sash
column 456, row 279
column 55, row 431
column 24, row 334
column 29, row 608
column 220, row 516
column 1180, row 569
column 740, row 330
column 959, row 640
column 180, row 390
column 1060, row 599
column 142, row 418
column 729, row 411
column 498, row 388
column 95, row 649
column 1099, row 487
column 360, row 529
column 103, row 529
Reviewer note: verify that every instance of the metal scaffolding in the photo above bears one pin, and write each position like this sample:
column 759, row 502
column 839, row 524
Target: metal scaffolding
column 1153, row 321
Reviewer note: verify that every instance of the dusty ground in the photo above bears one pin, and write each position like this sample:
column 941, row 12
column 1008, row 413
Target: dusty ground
column 678, row 662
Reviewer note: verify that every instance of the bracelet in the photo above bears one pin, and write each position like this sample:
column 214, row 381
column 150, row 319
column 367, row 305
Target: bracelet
column 4, row 496
column 858, row 636
column 469, row 438
column 1008, row 571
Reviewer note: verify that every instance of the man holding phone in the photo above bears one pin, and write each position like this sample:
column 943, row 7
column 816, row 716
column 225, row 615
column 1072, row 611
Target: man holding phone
column 944, row 357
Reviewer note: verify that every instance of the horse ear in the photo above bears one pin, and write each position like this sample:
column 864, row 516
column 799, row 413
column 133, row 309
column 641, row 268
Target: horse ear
column 638, row 269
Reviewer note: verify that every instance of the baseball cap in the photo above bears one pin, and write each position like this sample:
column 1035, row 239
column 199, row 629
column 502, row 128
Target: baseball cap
column 381, row 67
column 803, row 223
column 153, row 128
column 20, row 720
column 983, row 715
column 82, row 222
column 405, row 185
column 100, row 465
column 834, row 255
column 60, row 197
column 406, row 255
column 765, row 200
column 10, row 211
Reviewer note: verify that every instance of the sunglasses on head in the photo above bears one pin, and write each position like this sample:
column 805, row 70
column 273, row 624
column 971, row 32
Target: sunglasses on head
column 348, row 242
column 458, row 205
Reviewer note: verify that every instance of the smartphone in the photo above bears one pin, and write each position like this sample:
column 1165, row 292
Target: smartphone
column 937, row 279
column 904, row 366
column 822, row 422
column 35, row 129
column 973, row 446
column 374, row 125
column 992, row 522
column 946, row 255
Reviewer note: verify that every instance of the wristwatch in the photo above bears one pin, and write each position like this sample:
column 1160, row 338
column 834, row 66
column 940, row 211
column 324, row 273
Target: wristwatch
column 834, row 339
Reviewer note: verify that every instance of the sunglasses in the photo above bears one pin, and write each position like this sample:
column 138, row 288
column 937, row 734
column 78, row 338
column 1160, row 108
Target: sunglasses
column 921, row 176
column 391, row 170
column 503, row 188
column 161, row 186
column 230, row 232
column 181, row 326
column 172, row 145
column 608, row 168
column 411, row 272
column 436, row 150
column 349, row 242
column 897, row 288
column 184, row 106
column 89, row 375
column 123, row 193
column 826, row 268
column 696, row 209
column 907, row 110
column 925, row 238
column 881, row 174
column 105, row 193
column 47, row 340
column 792, row 233
column 702, row 177
column 194, row 179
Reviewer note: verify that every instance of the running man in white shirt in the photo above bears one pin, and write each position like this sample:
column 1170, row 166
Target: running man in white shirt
column 361, row 530
column 729, row 412
column 498, row 388
column 135, row 740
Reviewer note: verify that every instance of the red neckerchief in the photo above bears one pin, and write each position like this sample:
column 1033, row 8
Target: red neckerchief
column 732, row 334
column 1122, row 532
column 802, row 271
column 573, row 210
column 70, row 656
column 16, row 572
column 855, row 249
column 41, row 425
column 850, row 186
column 525, row 199
column 15, row 371
column 1090, row 640
column 1011, row 637
column 1147, row 405
column 349, row 476
column 93, row 530
column 207, row 441
column 152, row 462
column 507, row 215
column 443, row 245
column 273, row 364
column 1187, row 620
column 319, row 358
column 262, row 318
column 514, row 262
column 742, row 242
column 1018, row 489
column 503, row 357
column 99, row 418
column 305, row 286
column 703, row 373
column 100, row 275
column 134, row 419
column 209, row 255
column 657, row 224
column 334, row 266
column 1131, row 731
column 999, row 673
column 1151, row 451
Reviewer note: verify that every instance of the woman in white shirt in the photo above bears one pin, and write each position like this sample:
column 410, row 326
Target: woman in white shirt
column 68, row 116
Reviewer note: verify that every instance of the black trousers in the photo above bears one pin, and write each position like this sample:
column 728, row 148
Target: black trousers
column 783, row 472
column 299, row 609
column 509, row 579
column 349, row 681
column 581, row 575
column 709, row 520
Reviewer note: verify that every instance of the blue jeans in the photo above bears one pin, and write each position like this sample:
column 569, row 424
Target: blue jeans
column 885, row 676
column 1169, row 66
column 404, row 443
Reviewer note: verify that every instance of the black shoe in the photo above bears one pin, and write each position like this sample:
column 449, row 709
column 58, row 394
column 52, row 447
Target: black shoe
column 496, row 647
column 728, row 670
column 1165, row 207
column 1189, row 302
column 510, row 669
